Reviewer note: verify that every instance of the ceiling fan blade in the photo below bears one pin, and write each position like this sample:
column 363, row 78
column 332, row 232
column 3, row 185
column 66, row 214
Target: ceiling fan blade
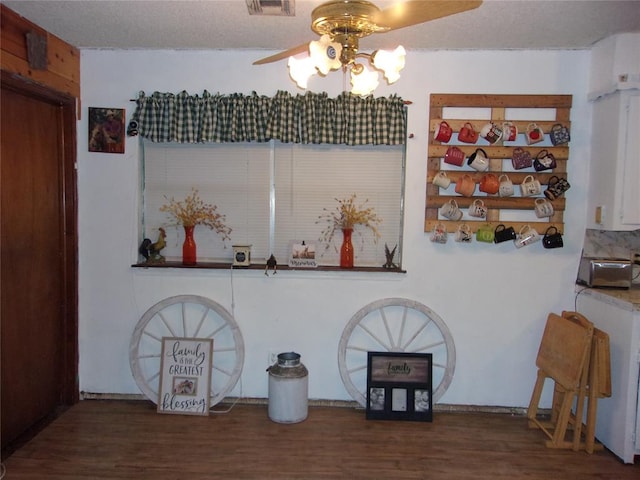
column 282, row 55
column 405, row 14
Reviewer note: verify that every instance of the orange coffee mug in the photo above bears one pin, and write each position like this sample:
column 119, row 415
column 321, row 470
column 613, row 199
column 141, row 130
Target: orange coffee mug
column 465, row 185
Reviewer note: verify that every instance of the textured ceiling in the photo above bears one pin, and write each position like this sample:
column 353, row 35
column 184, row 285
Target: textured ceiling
column 226, row 24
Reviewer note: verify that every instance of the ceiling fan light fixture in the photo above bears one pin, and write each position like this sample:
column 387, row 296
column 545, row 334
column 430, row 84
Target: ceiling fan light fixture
column 325, row 54
column 354, row 17
column 390, row 62
column 342, row 23
column 301, row 70
column 363, row 80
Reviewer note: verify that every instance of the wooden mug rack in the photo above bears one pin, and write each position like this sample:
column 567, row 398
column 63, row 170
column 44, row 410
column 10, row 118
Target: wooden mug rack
column 499, row 109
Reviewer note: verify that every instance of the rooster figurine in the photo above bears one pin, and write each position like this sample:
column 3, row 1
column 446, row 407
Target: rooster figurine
column 151, row 251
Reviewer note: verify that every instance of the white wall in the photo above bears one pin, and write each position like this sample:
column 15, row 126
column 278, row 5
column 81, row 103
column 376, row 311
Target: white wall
column 494, row 298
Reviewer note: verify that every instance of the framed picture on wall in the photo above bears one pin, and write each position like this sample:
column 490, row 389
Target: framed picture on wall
column 106, row 130
column 399, row 386
column 185, row 376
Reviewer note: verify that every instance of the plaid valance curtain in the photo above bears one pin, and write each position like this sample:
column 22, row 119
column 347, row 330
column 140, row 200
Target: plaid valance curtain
column 309, row 118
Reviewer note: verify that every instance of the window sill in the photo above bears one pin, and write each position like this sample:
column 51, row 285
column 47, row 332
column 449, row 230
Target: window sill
column 226, row 266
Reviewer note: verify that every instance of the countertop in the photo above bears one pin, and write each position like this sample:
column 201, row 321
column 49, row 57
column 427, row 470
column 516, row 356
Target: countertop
column 629, row 299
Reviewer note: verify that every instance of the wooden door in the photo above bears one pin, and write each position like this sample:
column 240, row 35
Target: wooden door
column 38, row 279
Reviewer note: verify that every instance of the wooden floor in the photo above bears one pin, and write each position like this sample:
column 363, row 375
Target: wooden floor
column 129, row 440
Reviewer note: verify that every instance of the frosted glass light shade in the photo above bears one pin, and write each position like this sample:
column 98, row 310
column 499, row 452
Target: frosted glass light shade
column 325, row 54
column 390, row 62
column 300, row 70
column 365, row 82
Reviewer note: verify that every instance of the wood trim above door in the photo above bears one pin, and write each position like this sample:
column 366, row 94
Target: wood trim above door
column 62, row 72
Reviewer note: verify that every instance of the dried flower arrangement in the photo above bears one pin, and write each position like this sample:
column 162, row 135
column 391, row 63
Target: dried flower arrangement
column 194, row 211
column 347, row 214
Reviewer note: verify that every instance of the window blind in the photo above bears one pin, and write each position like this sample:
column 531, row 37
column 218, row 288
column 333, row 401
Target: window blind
column 273, row 193
column 309, row 178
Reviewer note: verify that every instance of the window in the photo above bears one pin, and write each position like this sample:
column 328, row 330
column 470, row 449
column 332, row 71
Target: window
column 273, row 193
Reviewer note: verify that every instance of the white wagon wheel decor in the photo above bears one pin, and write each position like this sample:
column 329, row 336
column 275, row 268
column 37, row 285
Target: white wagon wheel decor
column 187, row 316
column 395, row 325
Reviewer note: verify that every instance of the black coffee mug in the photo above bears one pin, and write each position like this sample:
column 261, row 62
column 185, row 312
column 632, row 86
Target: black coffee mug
column 552, row 238
column 556, row 187
column 503, row 233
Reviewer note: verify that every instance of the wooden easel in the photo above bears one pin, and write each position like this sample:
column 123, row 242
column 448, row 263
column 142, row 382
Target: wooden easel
column 563, row 356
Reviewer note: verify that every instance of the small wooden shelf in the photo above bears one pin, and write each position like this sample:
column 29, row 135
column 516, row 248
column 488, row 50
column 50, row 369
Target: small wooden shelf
column 500, row 159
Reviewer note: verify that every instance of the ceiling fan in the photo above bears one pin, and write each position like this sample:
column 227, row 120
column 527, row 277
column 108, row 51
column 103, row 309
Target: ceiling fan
column 342, row 23
column 346, row 21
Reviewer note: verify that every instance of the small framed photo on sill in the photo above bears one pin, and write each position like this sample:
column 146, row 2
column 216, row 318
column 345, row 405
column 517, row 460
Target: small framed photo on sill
column 302, row 254
column 399, row 386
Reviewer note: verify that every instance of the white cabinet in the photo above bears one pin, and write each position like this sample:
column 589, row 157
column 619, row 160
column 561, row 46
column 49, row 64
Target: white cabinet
column 614, row 87
column 614, row 190
column 615, row 64
column 618, row 417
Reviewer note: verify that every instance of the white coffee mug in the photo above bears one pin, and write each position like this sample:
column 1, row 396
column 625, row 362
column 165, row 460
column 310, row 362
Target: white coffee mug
column 526, row 236
column 509, row 131
column 477, row 209
column 451, row 210
column 439, row 234
column 491, row 132
column 478, row 160
column 464, row 234
column 543, row 208
column 534, row 134
column 530, row 186
column 441, row 180
column 506, row 186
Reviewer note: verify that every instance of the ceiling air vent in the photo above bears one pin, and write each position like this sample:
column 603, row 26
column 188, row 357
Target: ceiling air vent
column 285, row 8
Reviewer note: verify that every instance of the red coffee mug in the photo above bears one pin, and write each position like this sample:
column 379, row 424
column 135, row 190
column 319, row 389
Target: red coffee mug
column 443, row 132
column 467, row 134
column 454, row 156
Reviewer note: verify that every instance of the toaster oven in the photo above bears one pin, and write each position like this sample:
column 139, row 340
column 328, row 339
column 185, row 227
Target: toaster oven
column 608, row 272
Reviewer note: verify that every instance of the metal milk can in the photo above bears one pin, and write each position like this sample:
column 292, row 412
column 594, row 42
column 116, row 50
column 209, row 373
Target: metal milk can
column 288, row 389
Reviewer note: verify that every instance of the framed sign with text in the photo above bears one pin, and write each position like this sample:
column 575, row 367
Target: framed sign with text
column 185, row 376
column 399, row 386
column 302, row 254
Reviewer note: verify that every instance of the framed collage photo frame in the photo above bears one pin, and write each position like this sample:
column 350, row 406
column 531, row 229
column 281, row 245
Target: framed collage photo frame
column 399, row 386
